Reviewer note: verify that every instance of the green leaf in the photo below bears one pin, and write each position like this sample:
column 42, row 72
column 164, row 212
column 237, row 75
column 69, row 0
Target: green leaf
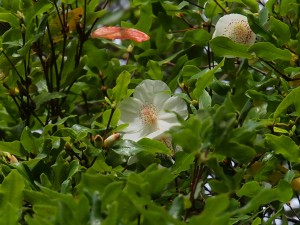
column 285, row 146
column 238, row 151
column 258, row 28
column 94, row 182
column 11, row 193
column 6, row 16
column 154, row 146
column 204, row 100
column 183, row 162
column 11, row 147
column 269, row 52
column 68, row 1
column 184, row 138
column 127, row 148
column 113, row 215
column 111, row 194
column 257, row 95
column 29, row 142
column 205, row 79
column 224, row 47
column 214, row 212
column 177, row 208
column 280, row 29
column 44, row 97
column 38, row 8
column 114, row 120
column 286, row 6
column 283, row 192
column 120, row 90
column 157, row 178
column 212, row 8
column 12, row 188
column 197, row 37
column 252, row 4
column 249, row 189
column 291, row 98
column 154, row 70
column 257, row 221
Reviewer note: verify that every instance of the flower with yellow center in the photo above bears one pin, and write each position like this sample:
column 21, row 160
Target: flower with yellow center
column 235, row 27
column 151, row 111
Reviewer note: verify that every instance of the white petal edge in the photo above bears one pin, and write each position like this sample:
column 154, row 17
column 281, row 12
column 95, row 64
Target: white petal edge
column 129, row 108
column 148, row 88
column 176, row 104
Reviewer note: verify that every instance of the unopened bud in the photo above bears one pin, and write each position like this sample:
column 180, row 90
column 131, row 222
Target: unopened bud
column 98, row 141
column 130, row 48
column 195, row 102
column 68, row 146
column 103, row 88
column 13, row 91
column 111, row 140
column 11, row 158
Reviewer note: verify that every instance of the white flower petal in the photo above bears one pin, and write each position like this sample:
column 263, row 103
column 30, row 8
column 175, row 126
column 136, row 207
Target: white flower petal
column 235, row 27
column 129, row 110
column 149, row 88
column 159, row 100
column 170, row 118
column 176, row 104
column 135, row 132
column 156, row 134
column 167, row 123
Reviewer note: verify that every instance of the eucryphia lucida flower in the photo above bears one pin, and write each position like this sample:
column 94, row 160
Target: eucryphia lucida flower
column 151, row 111
column 235, row 27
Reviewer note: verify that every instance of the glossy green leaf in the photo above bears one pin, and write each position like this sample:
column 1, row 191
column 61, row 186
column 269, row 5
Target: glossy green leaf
column 266, row 195
column 154, row 70
column 177, row 208
column 127, row 148
column 183, row 162
column 45, row 97
column 154, row 146
column 212, row 8
column 6, row 16
column 120, row 90
column 197, row 37
column 269, row 52
column 11, row 192
column 11, row 147
column 249, row 189
column 252, row 4
column 224, row 47
column 290, row 99
column 285, row 146
column 213, row 212
column 29, row 142
column 280, row 29
column 205, row 79
column 258, row 28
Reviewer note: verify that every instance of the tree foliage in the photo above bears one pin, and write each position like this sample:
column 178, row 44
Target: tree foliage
column 61, row 162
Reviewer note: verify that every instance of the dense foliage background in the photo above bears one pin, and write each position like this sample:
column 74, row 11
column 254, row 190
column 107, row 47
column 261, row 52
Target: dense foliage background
column 59, row 96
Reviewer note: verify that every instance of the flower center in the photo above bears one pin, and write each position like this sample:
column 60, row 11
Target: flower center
column 241, row 32
column 148, row 115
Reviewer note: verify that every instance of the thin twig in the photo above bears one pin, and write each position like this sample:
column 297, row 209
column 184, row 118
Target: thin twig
column 194, row 4
column 278, row 71
column 13, row 66
column 218, row 4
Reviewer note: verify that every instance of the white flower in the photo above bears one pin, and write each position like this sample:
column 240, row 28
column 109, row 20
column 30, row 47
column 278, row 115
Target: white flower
column 151, row 111
column 235, row 27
